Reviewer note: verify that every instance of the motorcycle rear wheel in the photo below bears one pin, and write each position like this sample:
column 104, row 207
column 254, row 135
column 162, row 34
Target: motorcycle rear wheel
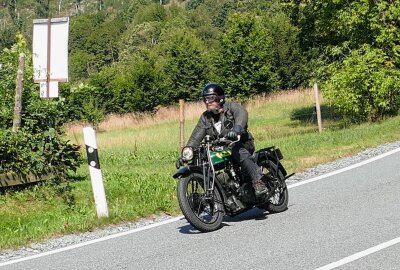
column 200, row 212
column 280, row 197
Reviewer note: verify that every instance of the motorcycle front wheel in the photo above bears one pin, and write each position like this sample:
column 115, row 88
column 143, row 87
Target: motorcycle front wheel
column 202, row 212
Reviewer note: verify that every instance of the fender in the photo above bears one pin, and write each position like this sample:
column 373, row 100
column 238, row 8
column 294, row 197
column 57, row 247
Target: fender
column 186, row 170
column 270, row 153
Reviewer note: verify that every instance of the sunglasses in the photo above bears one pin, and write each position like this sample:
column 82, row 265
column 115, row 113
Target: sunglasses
column 210, row 99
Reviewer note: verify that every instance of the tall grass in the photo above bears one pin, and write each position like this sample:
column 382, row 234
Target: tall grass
column 137, row 154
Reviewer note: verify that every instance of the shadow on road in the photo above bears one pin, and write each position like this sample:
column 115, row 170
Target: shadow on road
column 189, row 229
column 253, row 214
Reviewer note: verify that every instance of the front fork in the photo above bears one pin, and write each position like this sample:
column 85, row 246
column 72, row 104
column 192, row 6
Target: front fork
column 209, row 173
column 208, row 181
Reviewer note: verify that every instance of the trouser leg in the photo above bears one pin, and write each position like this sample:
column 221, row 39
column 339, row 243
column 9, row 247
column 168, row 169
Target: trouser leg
column 242, row 155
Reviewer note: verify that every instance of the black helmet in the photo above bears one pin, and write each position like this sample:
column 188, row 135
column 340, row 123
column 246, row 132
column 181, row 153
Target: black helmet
column 214, row 89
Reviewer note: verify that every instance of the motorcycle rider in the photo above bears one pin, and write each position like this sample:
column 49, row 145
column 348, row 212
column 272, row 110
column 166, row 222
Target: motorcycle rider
column 228, row 119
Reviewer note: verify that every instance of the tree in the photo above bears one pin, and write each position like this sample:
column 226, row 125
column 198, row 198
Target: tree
column 42, row 8
column 7, row 37
column 246, row 58
column 365, row 86
column 288, row 62
column 347, row 25
column 14, row 14
column 150, row 13
column 103, row 43
column 138, row 37
column 186, row 64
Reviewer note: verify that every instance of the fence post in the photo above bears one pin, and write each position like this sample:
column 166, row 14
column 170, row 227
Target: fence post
column 318, row 107
column 182, row 123
column 18, row 93
column 95, row 172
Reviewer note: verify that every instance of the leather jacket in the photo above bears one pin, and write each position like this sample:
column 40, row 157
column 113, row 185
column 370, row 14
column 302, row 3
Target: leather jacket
column 234, row 117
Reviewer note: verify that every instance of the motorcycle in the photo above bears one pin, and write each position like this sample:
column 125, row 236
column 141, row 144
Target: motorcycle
column 211, row 185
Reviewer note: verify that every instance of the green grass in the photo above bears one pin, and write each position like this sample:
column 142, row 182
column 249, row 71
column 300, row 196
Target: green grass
column 137, row 165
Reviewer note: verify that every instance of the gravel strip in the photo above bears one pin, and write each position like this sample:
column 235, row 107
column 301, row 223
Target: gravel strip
column 72, row 239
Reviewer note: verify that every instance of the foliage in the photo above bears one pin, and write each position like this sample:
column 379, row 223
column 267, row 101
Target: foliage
column 38, row 145
column 93, row 45
column 340, row 23
column 24, row 152
column 91, row 112
column 136, row 55
column 138, row 38
column 82, row 102
column 150, row 13
column 186, row 64
column 102, row 43
column 7, row 37
column 127, row 89
column 8, row 72
column 339, row 34
column 365, row 85
column 288, row 61
column 246, row 54
column 42, row 8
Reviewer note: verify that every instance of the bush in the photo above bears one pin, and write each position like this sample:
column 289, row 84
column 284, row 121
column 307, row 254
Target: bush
column 38, row 145
column 365, row 86
column 23, row 152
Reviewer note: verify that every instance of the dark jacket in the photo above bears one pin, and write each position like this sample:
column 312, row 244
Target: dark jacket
column 234, row 117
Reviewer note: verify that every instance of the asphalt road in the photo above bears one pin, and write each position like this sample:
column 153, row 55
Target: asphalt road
column 327, row 221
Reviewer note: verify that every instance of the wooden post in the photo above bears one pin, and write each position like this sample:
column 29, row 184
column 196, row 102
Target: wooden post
column 318, row 107
column 18, row 93
column 182, row 123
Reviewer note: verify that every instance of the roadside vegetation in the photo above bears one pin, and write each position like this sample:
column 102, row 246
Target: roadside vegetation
column 138, row 158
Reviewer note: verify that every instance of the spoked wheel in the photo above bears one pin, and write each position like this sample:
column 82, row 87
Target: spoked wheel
column 278, row 202
column 204, row 213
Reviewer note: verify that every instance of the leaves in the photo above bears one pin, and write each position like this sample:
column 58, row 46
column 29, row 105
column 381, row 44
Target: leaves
column 38, row 145
column 364, row 86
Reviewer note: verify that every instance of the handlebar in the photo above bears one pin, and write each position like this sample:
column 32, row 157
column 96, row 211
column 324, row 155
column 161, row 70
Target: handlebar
column 228, row 141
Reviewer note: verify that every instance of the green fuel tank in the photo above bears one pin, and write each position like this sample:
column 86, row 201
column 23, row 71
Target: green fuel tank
column 218, row 157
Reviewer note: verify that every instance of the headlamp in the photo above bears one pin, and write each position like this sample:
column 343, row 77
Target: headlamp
column 187, row 153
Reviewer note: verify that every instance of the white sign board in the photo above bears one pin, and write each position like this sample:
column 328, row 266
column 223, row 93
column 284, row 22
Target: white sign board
column 58, row 49
column 53, row 91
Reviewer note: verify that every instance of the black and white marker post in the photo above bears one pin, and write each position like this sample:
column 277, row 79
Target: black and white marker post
column 95, row 172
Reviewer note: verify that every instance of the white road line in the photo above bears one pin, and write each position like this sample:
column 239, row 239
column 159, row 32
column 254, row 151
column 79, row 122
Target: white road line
column 180, row 217
column 92, row 241
column 345, row 169
column 360, row 254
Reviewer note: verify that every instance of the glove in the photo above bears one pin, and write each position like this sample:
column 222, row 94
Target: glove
column 179, row 163
column 232, row 135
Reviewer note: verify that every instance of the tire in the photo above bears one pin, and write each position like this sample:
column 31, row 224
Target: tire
column 193, row 207
column 279, row 201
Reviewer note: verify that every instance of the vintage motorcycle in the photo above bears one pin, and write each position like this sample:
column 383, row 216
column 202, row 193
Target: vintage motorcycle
column 211, row 185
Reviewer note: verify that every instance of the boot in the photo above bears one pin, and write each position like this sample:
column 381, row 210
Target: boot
column 259, row 188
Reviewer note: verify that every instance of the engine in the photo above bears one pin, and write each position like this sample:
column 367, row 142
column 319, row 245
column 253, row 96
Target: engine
column 237, row 194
